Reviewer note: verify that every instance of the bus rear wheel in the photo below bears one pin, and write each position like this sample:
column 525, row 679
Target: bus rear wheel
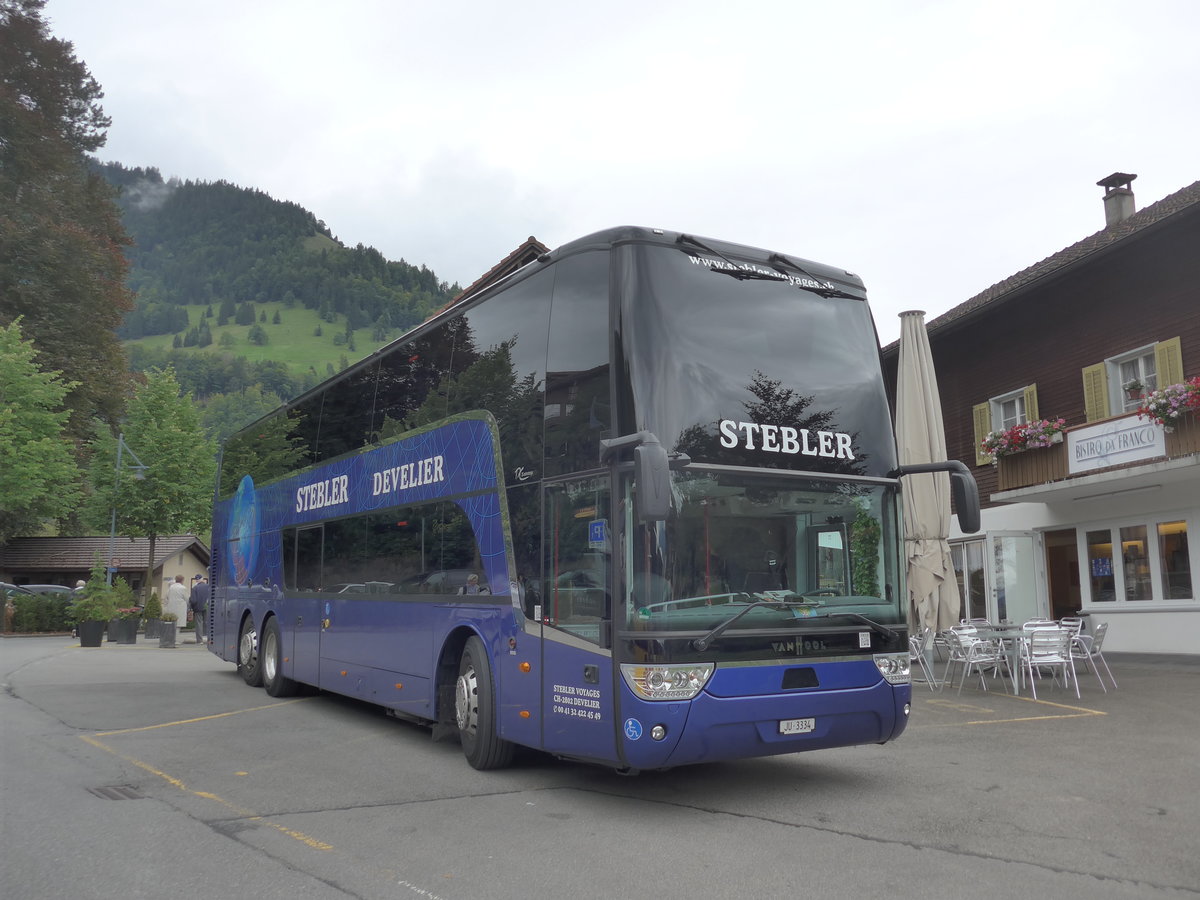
column 475, row 710
column 274, row 681
column 249, row 666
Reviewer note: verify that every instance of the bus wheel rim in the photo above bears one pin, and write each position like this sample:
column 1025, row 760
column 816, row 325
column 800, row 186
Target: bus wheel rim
column 246, row 648
column 466, row 709
column 269, row 657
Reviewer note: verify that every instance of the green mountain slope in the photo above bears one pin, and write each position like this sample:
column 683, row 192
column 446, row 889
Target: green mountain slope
column 233, row 273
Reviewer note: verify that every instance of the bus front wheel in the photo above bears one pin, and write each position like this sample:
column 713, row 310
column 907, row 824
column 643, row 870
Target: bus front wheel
column 276, row 683
column 475, row 710
column 249, row 666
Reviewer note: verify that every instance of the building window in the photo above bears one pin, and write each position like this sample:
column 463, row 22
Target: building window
column 1135, row 368
column 1100, row 566
column 1000, row 413
column 1139, row 563
column 1135, row 564
column 1009, row 410
column 1173, row 558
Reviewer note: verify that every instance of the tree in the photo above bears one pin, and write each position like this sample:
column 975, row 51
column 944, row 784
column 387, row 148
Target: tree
column 39, row 478
column 162, row 427
column 226, row 413
column 61, row 262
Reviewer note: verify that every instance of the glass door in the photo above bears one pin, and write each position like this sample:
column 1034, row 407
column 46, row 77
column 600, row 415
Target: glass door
column 971, row 574
column 1017, row 590
column 576, row 613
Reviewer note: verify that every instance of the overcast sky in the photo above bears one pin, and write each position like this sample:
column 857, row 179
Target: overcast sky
column 934, row 148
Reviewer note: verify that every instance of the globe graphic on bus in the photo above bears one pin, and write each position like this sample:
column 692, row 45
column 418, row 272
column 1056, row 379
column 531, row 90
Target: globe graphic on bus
column 243, row 532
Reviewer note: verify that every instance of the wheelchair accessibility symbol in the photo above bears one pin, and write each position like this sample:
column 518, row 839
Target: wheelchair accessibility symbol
column 633, row 729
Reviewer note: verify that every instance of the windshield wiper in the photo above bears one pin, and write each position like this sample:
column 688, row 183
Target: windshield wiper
column 877, row 627
column 740, row 271
column 703, row 643
column 821, row 288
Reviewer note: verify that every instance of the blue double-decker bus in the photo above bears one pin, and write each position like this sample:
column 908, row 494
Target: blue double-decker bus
column 636, row 504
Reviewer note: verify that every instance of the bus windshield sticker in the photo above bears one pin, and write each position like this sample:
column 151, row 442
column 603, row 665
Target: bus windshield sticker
column 786, row 439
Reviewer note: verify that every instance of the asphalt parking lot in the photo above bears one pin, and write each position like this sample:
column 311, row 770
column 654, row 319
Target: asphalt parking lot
column 317, row 796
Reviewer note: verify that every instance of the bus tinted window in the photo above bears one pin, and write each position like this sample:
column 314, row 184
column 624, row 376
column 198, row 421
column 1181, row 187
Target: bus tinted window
column 427, row 549
column 577, row 394
column 346, row 414
column 502, row 369
column 275, row 447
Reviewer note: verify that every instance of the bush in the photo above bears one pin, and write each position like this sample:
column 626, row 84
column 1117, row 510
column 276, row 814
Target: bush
column 96, row 602
column 41, row 613
column 153, row 607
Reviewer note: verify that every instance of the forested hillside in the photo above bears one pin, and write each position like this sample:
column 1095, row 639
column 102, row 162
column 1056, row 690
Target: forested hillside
column 257, row 288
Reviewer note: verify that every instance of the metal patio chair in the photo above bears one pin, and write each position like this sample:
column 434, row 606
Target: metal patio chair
column 917, row 648
column 1088, row 647
column 975, row 654
column 1048, row 648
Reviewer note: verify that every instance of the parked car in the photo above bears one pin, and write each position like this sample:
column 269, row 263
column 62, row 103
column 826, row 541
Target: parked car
column 47, row 589
column 12, row 590
column 447, row 581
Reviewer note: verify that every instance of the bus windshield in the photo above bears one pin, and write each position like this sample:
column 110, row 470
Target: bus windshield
column 803, row 552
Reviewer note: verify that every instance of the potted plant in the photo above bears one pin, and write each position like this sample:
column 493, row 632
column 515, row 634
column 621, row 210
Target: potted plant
column 92, row 607
column 128, row 619
column 129, row 614
column 152, row 615
column 1134, row 388
column 166, row 631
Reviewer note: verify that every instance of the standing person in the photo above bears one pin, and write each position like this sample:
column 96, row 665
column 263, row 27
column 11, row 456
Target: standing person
column 198, row 601
column 177, row 602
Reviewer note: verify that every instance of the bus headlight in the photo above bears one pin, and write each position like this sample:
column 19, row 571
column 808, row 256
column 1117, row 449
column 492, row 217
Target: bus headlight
column 667, row 682
column 894, row 667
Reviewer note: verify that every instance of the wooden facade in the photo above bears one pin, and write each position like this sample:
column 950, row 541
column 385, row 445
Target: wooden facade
column 1132, row 285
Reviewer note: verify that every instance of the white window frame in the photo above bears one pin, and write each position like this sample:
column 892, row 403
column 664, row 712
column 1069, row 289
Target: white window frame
column 1153, row 554
column 997, row 404
column 1117, row 399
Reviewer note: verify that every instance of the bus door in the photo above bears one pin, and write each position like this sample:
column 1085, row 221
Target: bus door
column 301, row 634
column 577, row 687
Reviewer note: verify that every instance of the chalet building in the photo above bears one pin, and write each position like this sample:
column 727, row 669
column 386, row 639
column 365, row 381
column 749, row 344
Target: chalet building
column 66, row 560
column 1106, row 520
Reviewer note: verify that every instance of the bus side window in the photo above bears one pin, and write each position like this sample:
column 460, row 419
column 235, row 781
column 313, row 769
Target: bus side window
column 577, row 596
column 577, row 394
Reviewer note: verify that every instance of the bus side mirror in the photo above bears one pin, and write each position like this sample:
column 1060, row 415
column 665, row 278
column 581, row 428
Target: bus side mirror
column 963, row 489
column 652, row 477
column 965, row 492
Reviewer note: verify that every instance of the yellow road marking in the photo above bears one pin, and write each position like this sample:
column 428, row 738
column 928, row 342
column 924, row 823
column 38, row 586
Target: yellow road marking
column 205, row 795
column 1075, row 712
column 236, row 712
column 957, row 704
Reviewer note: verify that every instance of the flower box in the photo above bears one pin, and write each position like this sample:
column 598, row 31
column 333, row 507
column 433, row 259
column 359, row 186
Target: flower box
column 1172, row 404
column 1025, row 436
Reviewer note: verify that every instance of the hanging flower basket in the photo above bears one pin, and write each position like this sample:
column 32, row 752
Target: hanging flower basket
column 1168, row 405
column 1026, row 436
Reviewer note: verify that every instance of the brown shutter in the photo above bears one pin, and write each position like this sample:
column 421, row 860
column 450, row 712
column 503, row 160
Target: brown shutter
column 1168, row 362
column 1031, row 407
column 1095, row 392
column 982, row 415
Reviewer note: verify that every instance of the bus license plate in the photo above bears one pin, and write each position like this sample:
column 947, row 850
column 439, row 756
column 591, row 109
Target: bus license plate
column 796, row 726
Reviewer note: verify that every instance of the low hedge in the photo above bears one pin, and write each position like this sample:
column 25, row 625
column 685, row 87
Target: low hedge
column 40, row 613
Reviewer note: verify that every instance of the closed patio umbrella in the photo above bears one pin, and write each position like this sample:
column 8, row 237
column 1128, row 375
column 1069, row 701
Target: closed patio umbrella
column 921, row 438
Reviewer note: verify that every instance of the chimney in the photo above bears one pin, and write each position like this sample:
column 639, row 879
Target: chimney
column 1118, row 198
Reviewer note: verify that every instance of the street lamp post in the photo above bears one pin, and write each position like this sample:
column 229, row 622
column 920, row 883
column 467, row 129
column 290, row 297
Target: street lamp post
column 139, row 473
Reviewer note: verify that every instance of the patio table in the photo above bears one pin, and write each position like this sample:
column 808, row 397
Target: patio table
column 1010, row 639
